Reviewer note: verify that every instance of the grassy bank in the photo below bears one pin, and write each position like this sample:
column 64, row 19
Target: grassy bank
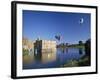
column 84, row 61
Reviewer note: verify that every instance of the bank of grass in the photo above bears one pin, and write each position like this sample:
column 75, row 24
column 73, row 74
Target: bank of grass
column 84, row 61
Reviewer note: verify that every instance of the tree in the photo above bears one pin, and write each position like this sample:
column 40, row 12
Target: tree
column 80, row 43
column 88, row 50
column 66, row 44
column 88, row 47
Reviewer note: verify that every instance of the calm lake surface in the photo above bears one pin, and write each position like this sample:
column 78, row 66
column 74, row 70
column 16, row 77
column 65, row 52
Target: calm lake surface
column 53, row 59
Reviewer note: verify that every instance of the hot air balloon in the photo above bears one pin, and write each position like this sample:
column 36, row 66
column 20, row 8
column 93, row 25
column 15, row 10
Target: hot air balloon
column 58, row 37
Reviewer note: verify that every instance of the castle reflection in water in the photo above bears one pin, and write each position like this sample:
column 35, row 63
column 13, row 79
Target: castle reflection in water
column 44, row 54
column 39, row 50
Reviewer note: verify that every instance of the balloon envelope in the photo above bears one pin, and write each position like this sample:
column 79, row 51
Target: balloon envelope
column 57, row 37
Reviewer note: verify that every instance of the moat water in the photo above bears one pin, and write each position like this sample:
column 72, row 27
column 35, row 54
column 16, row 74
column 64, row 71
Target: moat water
column 54, row 59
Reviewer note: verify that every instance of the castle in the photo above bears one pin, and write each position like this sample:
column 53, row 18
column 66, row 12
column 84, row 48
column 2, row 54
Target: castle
column 39, row 46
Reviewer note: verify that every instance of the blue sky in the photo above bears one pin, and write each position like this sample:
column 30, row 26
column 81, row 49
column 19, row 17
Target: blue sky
column 46, row 25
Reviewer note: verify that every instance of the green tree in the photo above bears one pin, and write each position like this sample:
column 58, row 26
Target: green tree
column 80, row 43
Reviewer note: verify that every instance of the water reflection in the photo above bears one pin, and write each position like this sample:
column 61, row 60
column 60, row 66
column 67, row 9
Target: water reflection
column 51, row 58
column 64, row 50
column 80, row 51
column 37, row 56
column 48, row 57
column 27, row 59
column 43, row 57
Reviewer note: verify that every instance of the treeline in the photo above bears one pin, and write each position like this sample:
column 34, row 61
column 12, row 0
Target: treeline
column 65, row 45
column 80, row 44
